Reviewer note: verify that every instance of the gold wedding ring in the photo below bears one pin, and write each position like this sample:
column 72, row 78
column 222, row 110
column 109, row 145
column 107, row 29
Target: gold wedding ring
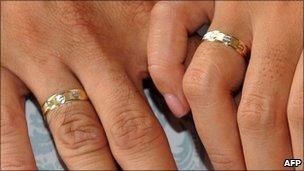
column 59, row 99
column 227, row 40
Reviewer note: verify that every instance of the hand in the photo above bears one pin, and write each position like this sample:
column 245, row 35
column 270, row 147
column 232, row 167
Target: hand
column 267, row 126
column 48, row 47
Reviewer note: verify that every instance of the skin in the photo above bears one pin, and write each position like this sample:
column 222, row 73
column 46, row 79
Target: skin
column 267, row 126
column 49, row 47
column 78, row 51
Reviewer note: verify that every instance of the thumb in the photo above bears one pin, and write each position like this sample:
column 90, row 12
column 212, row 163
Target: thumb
column 170, row 25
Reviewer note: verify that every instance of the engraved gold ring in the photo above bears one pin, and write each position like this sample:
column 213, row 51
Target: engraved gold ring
column 227, row 40
column 59, row 99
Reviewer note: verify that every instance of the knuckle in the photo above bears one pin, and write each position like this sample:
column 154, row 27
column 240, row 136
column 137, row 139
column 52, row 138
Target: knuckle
column 256, row 113
column 221, row 161
column 27, row 28
column 195, row 80
column 137, row 12
column 168, row 11
column 77, row 131
column 199, row 80
column 76, row 19
column 121, row 95
column 74, row 14
column 23, row 23
column 161, row 9
column 138, row 6
column 133, row 131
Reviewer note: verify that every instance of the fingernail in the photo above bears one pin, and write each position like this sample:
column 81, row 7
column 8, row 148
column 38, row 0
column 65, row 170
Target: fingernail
column 175, row 105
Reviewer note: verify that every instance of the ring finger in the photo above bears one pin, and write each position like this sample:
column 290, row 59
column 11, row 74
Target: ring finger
column 214, row 73
column 77, row 131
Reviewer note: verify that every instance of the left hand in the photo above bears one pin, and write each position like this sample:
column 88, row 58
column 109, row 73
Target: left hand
column 100, row 47
column 267, row 126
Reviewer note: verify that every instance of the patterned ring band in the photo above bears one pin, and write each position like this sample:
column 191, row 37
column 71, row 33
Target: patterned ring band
column 227, row 40
column 62, row 98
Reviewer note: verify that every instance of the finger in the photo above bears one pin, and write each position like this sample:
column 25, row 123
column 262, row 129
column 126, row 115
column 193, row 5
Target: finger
column 213, row 74
column 295, row 113
column 262, row 111
column 16, row 151
column 76, row 129
column 135, row 137
column 171, row 23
